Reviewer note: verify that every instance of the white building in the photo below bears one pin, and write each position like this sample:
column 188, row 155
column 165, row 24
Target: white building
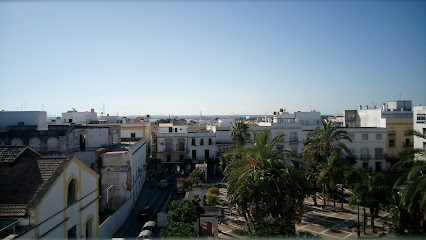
column 109, row 119
column 46, row 197
column 419, row 118
column 202, row 145
column 177, row 142
column 80, row 117
column 16, row 119
column 64, row 140
column 368, row 146
column 123, row 167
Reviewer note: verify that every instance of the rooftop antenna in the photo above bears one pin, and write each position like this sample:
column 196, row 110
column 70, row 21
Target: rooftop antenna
column 103, row 110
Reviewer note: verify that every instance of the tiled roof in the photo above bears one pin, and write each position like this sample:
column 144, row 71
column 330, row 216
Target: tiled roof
column 10, row 153
column 28, row 179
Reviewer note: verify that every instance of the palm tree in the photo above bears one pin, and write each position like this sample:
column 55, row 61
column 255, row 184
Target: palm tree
column 319, row 145
column 332, row 173
column 412, row 185
column 372, row 192
column 321, row 142
column 268, row 193
column 239, row 133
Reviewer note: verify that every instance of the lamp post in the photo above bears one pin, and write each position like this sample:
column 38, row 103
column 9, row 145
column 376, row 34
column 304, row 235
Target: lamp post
column 357, row 202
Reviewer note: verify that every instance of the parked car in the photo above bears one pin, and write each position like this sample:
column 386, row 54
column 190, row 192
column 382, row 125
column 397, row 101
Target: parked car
column 180, row 190
column 163, row 183
column 146, row 214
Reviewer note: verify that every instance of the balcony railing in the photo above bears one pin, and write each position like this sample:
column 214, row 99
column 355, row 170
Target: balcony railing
column 380, row 156
column 365, row 156
column 294, row 140
column 407, row 144
column 408, row 132
column 391, row 132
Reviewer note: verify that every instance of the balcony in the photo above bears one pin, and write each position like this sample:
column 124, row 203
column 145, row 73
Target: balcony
column 380, row 156
column 294, row 140
column 408, row 132
column 365, row 156
column 391, row 132
column 407, row 144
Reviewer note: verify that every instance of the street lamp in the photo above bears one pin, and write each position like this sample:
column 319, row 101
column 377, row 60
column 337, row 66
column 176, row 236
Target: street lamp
column 357, row 202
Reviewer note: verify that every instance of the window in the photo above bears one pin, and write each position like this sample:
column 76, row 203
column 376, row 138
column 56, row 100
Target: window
column 364, row 136
column 365, row 153
column 201, row 141
column 168, row 145
column 378, row 153
column 82, row 142
column 206, row 154
column 407, row 143
column 168, row 157
column 181, row 144
column 71, row 198
column 378, row 136
column 351, row 136
column 421, row 118
column 69, row 120
column 293, row 137
column 89, row 224
column 193, row 142
column 391, row 143
column 210, row 141
column 175, row 130
column 170, row 129
column 194, row 154
column 132, row 135
column 181, row 157
column 378, row 166
column 72, row 233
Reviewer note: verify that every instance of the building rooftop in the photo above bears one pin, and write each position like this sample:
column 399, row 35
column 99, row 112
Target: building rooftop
column 8, row 154
column 122, row 147
column 24, row 183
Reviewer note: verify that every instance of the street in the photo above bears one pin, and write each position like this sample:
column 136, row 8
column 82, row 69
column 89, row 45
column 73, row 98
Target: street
column 154, row 197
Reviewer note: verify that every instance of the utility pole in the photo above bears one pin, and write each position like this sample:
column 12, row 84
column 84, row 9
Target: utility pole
column 359, row 233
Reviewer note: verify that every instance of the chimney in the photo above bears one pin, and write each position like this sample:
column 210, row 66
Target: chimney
column 92, row 110
column 366, row 106
column 360, row 107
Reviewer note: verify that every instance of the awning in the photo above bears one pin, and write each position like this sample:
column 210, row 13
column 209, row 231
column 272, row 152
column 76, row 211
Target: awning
column 149, row 224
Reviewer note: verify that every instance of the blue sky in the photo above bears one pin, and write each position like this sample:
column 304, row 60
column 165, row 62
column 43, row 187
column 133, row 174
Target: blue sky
column 183, row 57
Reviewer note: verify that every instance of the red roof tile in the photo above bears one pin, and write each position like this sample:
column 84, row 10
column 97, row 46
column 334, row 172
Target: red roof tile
column 24, row 181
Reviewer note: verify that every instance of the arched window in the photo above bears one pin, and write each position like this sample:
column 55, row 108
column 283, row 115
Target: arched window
column 89, row 228
column 71, row 198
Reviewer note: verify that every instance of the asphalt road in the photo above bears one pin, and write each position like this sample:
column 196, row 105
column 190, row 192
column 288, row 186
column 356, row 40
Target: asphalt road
column 154, row 197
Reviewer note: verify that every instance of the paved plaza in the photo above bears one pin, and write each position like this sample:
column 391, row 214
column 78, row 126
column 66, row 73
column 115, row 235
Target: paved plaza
column 328, row 224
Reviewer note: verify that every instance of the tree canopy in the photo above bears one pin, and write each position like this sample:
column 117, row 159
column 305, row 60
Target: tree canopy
column 264, row 189
column 239, row 133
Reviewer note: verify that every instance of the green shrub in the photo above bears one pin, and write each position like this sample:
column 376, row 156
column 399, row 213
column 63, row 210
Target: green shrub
column 211, row 199
column 214, row 190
